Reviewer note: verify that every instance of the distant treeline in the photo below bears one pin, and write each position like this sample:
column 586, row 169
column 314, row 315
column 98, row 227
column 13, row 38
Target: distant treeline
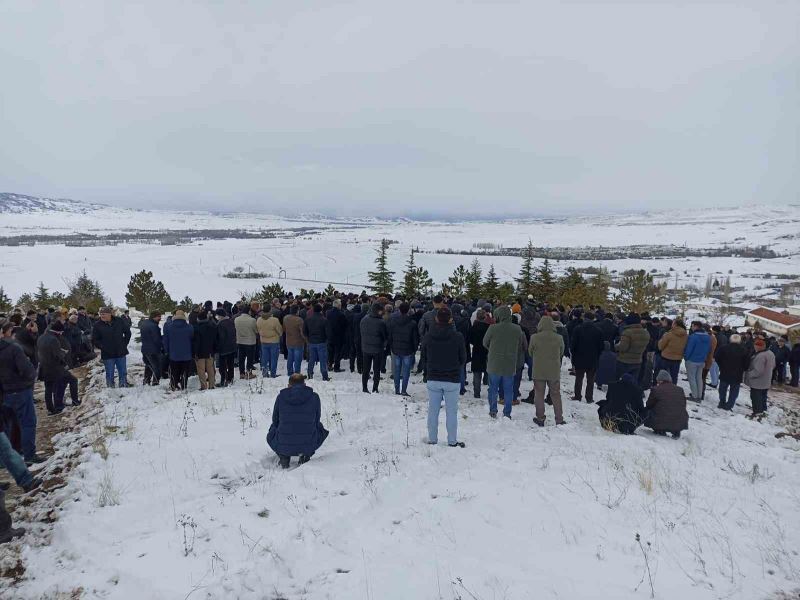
column 643, row 251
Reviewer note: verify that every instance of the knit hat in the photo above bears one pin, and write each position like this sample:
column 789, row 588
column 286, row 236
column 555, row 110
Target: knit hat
column 57, row 326
column 105, row 310
column 516, row 308
column 663, row 376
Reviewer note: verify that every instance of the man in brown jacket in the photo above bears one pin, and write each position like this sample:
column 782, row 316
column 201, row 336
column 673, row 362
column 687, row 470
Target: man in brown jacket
column 709, row 360
column 269, row 332
column 631, row 346
column 295, row 340
column 672, row 344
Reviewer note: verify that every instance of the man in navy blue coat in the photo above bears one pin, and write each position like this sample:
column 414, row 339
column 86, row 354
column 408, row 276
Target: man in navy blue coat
column 296, row 429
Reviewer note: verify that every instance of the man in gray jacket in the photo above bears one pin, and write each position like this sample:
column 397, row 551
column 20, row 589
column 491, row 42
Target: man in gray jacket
column 759, row 377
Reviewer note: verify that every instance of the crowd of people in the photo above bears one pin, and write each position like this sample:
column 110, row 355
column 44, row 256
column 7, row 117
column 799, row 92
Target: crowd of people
column 499, row 343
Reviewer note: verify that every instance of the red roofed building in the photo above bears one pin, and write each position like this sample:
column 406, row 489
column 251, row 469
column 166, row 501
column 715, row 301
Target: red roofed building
column 774, row 322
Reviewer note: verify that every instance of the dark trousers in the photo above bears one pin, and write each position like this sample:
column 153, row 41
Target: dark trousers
column 227, row 367
column 247, row 357
column 22, row 405
column 356, row 359
column 794, row 369
column 335, row 355
column 371, row 361
column 623, row 368
column 477, row 378
column 54, row 392
column 590, row 373
column 152, row 368
column 179, row 373
column 728, row 393
column 673, row 367
column 758, row 398
column 779, row 372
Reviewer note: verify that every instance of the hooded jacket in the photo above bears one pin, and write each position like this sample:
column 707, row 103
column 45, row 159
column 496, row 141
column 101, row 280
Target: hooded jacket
column 296, row 428
column 17, row 373
column 444, row 353
column 547, row 350
column 623, row 410
column 505, row 342
column 697, row 347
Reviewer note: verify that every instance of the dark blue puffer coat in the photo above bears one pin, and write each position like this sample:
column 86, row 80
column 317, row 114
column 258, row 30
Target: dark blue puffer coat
column 178, row 340
column 296, row 429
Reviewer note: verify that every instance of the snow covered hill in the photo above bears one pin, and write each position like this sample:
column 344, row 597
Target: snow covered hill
column 20, row 204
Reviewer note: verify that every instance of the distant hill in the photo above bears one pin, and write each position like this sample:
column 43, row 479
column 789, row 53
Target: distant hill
column 21, row 204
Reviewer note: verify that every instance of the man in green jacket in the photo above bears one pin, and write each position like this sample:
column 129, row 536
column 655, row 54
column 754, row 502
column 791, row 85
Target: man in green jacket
column 547, row 350
column 631, row 346
column 505, row 342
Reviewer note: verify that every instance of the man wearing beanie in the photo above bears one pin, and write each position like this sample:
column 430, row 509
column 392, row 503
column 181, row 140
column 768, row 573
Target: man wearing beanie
column 759, row 377
column 53, row 350
column 111, row 334
column 667, row 407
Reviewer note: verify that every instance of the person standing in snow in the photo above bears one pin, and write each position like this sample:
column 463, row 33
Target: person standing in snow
column 672, row 346
column 547, row 350
column 505, row 342
column 374, row 340
column 633, row 342
column 246, row 340
column 315, row 330
column 479, row 352
column 759, row 376
column 587, row 345
column 733, row 361
column 226, row 347
column 112, row 334
column 403, row 342
column 445, row 354
column 179, row 345
column 152, row 347
column 697, row 349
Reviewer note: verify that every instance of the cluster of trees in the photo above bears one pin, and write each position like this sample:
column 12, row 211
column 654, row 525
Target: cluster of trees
column 81, row 290
column 636, row 290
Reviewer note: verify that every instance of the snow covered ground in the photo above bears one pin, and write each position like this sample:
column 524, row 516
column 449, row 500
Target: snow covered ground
column 189, row 503
column 344, row 250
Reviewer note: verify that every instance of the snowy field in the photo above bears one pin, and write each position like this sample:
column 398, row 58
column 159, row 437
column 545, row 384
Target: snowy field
column 190, row 503
column 344, row 250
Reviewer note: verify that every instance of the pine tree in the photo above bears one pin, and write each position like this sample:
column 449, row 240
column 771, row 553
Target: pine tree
column 491, row 287
column 526, row 272
column 457, row 282
column 423, row 280
column 5, row 301
column 146, row 294
column 506, row 291
column 330, row 291
column 26, row 302
column 409, row 287
column 41, row 296
column 474, row 286
column 83, row 291
column 544, row 283
column 382, row 279
column 597, row 288
column 572, row 288
column 638, row 293
column 268, row 293
column 186, row 305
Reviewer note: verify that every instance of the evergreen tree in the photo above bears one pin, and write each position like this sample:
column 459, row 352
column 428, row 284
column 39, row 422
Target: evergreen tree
column 526, row 272
column 597, row 288
column 572, row 288
column 26, row 302
column 329, row 291
column 186, row 305
column 145, row 294
column 5, row 301
column 491, row 287
column 41, row 297
column 268, row 293
column 474, row 285
column 544, row 283
column 409, row 287
column 506, row 291
column 83, row 291
column 638, row 293
column 382, row 279
column 423, row 280
column 457, row 282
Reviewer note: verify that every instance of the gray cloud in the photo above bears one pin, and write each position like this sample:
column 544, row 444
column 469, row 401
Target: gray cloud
column 402, row 108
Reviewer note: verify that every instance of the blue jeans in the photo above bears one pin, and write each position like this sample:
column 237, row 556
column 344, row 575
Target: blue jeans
column 12, row 461
column 401, row 367
column 22, row 405
column 318, row 352
column 269, row 358
column 694, row 371
column 728, row 393
column 714, row 374
column 121, row 365
column 495, row 381
column 447, row 391
column 673, row 367
column 294, row 360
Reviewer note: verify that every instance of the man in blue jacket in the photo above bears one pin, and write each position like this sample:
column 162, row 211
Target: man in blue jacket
column 697, row 348
column 179, row 345
column 296, row 429
column 152, row 348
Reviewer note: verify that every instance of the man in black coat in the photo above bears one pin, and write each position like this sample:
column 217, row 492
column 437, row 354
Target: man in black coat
column 445, row 355
column 152, row 348
column 608, row 329
column 403, row 342
column 374, row 340
column 17, row 376
column 354, row 323
column 623, row 409
column 480, row 353
column 733, row 360
column 587, row 345
column 315, row 330
column 337, row 333
column 204, row 346
column 226, row 347
column 53, row 352
column 111, row 335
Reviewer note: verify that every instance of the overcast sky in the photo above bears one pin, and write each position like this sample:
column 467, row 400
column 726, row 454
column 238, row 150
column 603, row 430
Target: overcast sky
column 393, row 108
